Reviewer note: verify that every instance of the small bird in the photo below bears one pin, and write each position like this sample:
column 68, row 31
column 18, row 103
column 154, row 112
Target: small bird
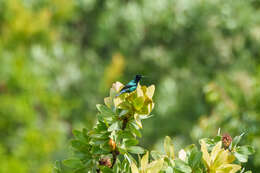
column 131, row 86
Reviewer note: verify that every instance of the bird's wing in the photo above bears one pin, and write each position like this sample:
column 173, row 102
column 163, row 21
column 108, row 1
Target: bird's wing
column 129, row 85
column 126, row 87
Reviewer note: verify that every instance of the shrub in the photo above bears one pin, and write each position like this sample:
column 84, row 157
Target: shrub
column 112, row 145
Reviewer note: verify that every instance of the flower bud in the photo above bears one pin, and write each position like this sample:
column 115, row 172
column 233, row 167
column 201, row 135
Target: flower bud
column 112, row 144
column 226, row 140
column 106, row 162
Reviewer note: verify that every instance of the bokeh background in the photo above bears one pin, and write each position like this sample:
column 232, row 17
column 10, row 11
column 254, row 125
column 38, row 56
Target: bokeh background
column 58, row 59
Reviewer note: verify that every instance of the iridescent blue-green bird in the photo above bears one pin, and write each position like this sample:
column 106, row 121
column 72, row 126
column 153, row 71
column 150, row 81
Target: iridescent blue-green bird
column 131, row 86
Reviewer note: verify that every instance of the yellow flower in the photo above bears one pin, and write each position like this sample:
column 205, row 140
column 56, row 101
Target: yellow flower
column 219, row 160
column 153, row 167
column 138, row 103
column 113, row 91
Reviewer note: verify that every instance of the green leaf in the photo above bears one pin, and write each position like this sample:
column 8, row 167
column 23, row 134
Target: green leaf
column 236, row 140
column 194, row 158
column 197, row 170
column 155, row 155
column 106, row 147
column 57, row 167
column 82, row 155
column 138, row 120
column 143, row 117
column 134, row 124
column 182, row 166
column 168, row 170
column 129, row 158
column 137, row 133
column 78, row 135
column 122, row 149
column 246, row 149
column 125, row 134
column 123, row 112
column 135, row 129
column 136, row 150
column 73, row 163
column 211, row 142
column 130, row 142
column 105, row 111
column 242, row 153
column 105, row 169
column 98, row 150
column 216, row 139
column 114, row 126
column 81, row 170
column 101, row 126
column 241, row 157
column 100, row 135
column 77, row 144
column 95, row 141
column 138, row 103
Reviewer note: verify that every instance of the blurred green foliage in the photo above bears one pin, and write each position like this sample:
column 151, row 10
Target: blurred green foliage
column 59, row 57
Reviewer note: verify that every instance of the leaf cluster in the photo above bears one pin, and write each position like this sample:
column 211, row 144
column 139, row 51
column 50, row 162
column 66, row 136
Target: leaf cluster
column 109, row 146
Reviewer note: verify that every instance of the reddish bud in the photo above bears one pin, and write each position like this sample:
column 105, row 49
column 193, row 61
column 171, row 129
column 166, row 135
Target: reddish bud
column 106, row 162
column 226, row 140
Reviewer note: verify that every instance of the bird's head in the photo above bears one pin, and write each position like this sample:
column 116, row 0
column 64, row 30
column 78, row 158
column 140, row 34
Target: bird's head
column 138, row 77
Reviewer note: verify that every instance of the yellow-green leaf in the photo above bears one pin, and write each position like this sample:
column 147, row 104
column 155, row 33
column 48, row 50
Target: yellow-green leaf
column 155, row 166
column 138, row 103
column 221, row 158
column 138, row 120
column 168, row 147
column 230, row 168
column 150, row 91
column 115, row 89
column 118, row 101
column 134, row 168
column 215, row 151
column 144, row 161
column 205, row 154
column 139, row 91
column 108, row 102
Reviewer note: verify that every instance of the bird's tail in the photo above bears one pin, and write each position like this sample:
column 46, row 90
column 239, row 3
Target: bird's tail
column 121, row 92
